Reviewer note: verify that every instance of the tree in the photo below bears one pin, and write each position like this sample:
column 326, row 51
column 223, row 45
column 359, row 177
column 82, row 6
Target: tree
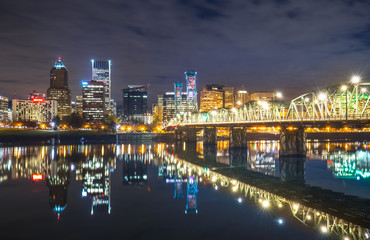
column 56, row 121
column 111, row 121
column 74, row 120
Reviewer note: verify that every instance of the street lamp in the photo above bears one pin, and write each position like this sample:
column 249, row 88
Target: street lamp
column 355, row 79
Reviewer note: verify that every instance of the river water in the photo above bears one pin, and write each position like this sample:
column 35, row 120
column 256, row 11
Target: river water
column 182, row 191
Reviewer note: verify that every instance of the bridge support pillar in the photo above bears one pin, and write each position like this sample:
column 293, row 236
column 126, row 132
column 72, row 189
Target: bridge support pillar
column 190, row 135
column 238, row 138
column 292, row 142
column 178, row 135
column 210, row 135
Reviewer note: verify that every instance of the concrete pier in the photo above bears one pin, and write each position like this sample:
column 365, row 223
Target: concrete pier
column 210, row 135
column 292, row 142
column 190, row 135
column 238, row 137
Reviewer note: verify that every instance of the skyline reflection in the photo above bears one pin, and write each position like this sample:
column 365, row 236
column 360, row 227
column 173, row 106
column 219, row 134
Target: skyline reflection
column 94, row 165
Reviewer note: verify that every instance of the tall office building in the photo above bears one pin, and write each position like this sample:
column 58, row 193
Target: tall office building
column 101, row 71
column 216, row 96
column 4, row 101
column 59, row 90
column 79, row 105
column 228, row 97
column 241, row 97
column 191, row 90
column 167, row 105
column 135, row 100
column 93, row 100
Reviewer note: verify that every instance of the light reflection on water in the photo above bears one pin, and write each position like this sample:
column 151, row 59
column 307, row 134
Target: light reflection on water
column 94, row 165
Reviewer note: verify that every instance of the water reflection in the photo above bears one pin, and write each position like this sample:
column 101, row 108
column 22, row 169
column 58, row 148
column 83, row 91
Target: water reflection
column 254, row 176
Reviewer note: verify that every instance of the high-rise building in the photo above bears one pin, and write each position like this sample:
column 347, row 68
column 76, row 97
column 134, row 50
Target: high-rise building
column 241, row 97
column 113, row 106
column 228, row 97
column 59, row 90
column 36, row 110
column 191, row 90
column 178, row 97
column 101, row 71
column 79, row 105
column 135, row 100
column 168, row 106
column 4, row 103
column 93, row 100
column 215, row 96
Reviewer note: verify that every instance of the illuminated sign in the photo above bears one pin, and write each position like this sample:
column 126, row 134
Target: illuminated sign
column 37, row 177
column 38, row 99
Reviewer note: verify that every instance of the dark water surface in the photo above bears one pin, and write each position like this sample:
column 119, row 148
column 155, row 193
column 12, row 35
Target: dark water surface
column 161, row 191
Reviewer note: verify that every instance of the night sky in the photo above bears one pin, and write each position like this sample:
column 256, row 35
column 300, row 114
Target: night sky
column 291, row 46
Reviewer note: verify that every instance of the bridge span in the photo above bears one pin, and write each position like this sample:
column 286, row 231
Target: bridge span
column 345, row 105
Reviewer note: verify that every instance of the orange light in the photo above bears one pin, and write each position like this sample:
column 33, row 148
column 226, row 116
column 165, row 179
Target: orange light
column 37, row 177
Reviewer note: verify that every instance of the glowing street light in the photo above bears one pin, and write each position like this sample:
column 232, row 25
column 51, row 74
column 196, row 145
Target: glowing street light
column 324, row 229
column 355, row 79
column 265, row 204
column 343, row 88
column 363, row 90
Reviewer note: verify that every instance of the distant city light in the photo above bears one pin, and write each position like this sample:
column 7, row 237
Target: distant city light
column 280, row 221
column 37, row 177
column 322, row 96
column 343, row 88
column 279, row 95
column 240, row 200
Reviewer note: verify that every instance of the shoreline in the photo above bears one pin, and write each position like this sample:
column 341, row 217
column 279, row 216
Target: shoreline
column 44, row 137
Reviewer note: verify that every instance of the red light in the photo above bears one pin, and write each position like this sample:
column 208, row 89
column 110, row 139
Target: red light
column 38, row 99
column 59, row 58
column 37, row 177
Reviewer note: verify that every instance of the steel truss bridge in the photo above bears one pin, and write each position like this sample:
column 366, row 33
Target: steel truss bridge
column 327, row 221
column 340, row 103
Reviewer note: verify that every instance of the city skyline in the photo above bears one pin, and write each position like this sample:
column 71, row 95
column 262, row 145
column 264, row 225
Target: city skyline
column 293, row 47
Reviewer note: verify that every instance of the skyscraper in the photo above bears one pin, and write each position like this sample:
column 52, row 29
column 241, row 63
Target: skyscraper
column 191, row 90
column 59, row 90
column 135, row 100
column 216, row 96
column 93, row 100
column 101, row 71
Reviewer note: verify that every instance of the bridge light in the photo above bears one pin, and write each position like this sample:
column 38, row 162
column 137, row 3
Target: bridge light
column 324, row 229
column 295, row 206
column 234, row 110
column 363, row 90
column 355, row 79
column 265, row 204
column 308, row 217
column 343, row 88
column 279, row 95
column 213, row 113
column 306, row 99
column 322, row 96
column 240, row 200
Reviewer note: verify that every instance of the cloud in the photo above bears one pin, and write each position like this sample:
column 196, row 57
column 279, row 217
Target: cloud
column 293, row 45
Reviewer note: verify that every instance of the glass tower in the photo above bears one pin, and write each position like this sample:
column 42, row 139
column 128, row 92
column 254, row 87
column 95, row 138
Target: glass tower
column 101, row 71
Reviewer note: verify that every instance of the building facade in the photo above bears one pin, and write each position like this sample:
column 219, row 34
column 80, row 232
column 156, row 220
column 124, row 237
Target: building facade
column 135, row 100
column 263, row 96
column 241, row 97
column 79, row 105
column 36, row 110
column 59, row 90
column 215, row 96
column 167, row 106
column 191, row 90
column 93, row 101
column 4, row 106
column 101, row 71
